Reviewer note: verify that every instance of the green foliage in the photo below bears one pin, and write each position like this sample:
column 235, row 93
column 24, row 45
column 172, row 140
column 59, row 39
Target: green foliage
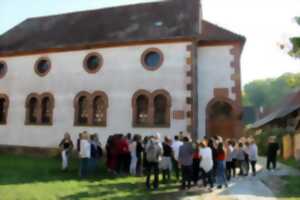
column 269, row 92
column 262, row 139
column 295, row 52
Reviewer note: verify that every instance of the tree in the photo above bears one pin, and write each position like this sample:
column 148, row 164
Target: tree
column 270, row 92
column 296, row 43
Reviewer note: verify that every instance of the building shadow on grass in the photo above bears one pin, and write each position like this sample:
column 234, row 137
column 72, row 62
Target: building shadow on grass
column 131, row 191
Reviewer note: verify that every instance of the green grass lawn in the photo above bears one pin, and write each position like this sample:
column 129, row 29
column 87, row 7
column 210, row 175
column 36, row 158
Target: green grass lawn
column 29, row 178
column 290, row 189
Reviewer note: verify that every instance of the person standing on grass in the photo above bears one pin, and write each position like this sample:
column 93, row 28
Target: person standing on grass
column 166, row 162
column 96, row 152
column 85, row 155
column 78, row 142
column 133, row 155
column 185, row 159
column 221, row 178
column 139, row 155
column 206, row 164
column 253, row 156
column 145, row 162
column 66, row 146
column 153, row 153
column 127, row 157
column 111, row 154
column 123, row 151
column 273, row 148
column 196, row 164
column 176, row 144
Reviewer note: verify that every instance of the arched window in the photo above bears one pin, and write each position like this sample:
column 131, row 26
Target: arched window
column 47, row 109
column 160, row 110
column 39, row 109
column 100, row 105
column 142, row 111
column 151, row 109
column 91, row 109
column 32, row 111
column 4, row 102
column 161, row 104
column 83, row 114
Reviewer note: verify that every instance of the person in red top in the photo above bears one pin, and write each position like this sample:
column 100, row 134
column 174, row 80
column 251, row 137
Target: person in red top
column 122, row 151
column 221, row 179
column 196, row 164
column 111, row 154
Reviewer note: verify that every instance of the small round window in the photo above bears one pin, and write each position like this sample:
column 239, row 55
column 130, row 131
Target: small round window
column 152, row 59
column 3, row 69
column 93, row 62
column 42, row 66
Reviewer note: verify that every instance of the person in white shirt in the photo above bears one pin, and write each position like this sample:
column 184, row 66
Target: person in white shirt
column 206, row 163
column 253, row 156
column 176, row 144
column 133, row 155
column 229, row 152
column 84, row 154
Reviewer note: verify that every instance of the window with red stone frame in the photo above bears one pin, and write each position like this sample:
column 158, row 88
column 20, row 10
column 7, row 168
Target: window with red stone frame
column 151, row 109
column 39, row 109
column 91, row 109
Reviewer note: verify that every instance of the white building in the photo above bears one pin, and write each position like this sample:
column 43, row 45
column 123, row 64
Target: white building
column 144, row 68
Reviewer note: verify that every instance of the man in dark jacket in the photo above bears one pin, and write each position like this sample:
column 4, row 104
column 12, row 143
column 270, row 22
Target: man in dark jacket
column 273, row 149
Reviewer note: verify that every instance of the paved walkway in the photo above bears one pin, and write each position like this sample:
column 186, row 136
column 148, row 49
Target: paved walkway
column 249, row 188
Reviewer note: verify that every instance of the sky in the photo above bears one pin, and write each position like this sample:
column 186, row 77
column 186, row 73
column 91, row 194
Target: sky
column 265, row 24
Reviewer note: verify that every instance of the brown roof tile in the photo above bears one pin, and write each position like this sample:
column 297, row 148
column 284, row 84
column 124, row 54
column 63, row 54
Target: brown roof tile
column 172, row 19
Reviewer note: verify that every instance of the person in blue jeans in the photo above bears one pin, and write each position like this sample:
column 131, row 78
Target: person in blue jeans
column 221, row 178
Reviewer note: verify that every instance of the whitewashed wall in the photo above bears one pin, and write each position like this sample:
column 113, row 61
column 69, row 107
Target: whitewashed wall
column 214, row 71
column 120, row 77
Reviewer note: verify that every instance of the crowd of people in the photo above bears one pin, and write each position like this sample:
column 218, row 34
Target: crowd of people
column 213, row 161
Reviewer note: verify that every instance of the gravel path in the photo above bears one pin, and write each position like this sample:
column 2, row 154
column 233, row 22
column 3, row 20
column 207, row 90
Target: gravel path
column 249, row 188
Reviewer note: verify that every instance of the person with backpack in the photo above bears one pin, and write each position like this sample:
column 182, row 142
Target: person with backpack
column 153, row 153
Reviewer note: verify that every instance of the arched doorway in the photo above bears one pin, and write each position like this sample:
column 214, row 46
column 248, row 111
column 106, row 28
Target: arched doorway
column 221, row 118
